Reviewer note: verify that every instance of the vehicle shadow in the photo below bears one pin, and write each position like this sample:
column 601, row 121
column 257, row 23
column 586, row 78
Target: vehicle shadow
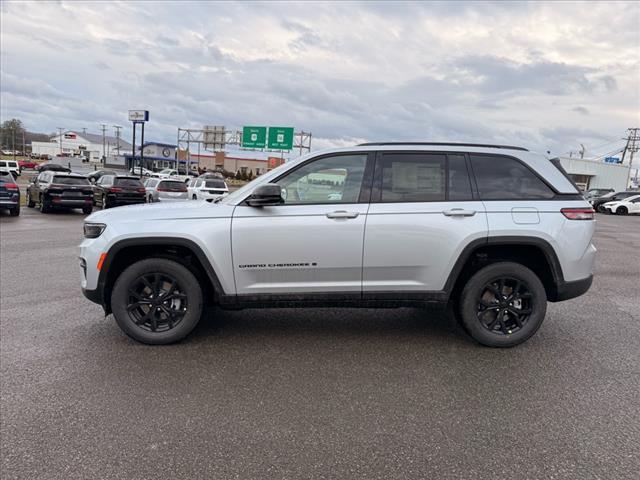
column 328, row 322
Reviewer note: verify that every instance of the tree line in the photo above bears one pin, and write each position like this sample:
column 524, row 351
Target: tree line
column 11, row 133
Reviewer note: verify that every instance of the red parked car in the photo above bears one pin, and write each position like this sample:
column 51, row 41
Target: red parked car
column 27, row 164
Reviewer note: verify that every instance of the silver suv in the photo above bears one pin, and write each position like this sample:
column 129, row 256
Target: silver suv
column 495, row 231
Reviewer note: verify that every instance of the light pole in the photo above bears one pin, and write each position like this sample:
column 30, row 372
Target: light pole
column 117, row 127
column 60, row 129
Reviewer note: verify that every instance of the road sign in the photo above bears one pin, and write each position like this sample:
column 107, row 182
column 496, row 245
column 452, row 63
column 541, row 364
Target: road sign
column 254, row 137
column 215, row 137
column 138, row 115
column 280, row 138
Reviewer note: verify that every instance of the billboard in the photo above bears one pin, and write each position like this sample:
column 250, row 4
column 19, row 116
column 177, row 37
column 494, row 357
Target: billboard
column 214, row 137
column 138, row 115
column 254, row 137
column 280, row 138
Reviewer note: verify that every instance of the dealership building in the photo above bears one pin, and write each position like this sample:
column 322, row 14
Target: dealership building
column 82, row 144
column 596, row 174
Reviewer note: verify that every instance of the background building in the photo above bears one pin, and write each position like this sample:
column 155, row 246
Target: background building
column 82, row 144
column 596, row 174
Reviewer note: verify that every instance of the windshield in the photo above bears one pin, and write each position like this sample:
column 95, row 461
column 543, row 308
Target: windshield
column 215, row 184
column 62, row 180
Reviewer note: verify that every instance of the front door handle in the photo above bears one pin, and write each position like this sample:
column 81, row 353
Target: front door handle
column 342, row 214
column 459, row 212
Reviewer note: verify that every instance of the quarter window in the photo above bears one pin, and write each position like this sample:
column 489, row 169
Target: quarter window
column 326, row 180
column 504, row 178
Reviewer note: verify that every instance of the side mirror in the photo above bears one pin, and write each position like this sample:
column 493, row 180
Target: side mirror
column 266, row 195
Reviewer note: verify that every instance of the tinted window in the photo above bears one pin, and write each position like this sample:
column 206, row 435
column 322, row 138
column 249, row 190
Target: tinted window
column 214, row 184
column 326, row 180
column 503, row 178
column 3, row 164
column 413, row 177
column 174, row 185
column 128, row 182
column 62, row 180
column 459, row 181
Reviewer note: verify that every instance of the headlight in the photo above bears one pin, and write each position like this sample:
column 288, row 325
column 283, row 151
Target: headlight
column 93, row 230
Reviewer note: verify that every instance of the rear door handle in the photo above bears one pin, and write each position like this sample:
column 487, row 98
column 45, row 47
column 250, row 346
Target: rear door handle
column 342, row 214
column 459, row 212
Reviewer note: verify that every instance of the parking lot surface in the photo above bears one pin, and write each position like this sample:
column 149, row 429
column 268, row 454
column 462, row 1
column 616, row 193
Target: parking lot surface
column 324, row 393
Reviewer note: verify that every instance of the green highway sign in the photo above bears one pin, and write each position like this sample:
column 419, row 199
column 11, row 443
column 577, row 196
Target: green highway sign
column 254, row 137
column 280, row 138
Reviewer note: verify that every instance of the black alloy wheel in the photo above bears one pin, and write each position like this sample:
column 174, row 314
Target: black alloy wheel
column 504, row 305
column 622, row 211
column 157, row 301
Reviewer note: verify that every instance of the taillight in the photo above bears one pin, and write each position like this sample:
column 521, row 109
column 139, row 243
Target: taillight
column 140, row 190
column 11, row 186
column 115, row 189
column 579, row 213
column 162, row 189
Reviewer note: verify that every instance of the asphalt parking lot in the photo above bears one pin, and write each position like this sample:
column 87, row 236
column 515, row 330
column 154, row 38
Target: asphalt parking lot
column 327, row 393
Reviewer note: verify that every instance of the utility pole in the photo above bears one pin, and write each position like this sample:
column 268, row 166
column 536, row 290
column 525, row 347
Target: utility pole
column 104, row 129
column 24, row 146
column 117, row 127
column 13, row 142
column 60, row 129
column 632, row 146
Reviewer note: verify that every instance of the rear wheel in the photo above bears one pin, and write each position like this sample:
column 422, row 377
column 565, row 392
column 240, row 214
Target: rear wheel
column 194, row 198
column 105, row 205
column 150, row 199
column 87, row 210
column 15, row 211
column 30, row 202
column 503, row 305
column 44, row 205
column 622, row 211
column 157, row 301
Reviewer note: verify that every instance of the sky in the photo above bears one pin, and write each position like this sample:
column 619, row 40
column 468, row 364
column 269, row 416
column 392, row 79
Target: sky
column 547, row 76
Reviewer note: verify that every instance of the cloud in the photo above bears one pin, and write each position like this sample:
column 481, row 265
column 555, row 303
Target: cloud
column 348, row 72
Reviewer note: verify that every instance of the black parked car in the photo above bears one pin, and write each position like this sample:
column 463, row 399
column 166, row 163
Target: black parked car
column 60, row 190
column 93, row 177
column 53, row 167
column 9, row 194
column 609, row 197
column 113, row 190
column 597, row 192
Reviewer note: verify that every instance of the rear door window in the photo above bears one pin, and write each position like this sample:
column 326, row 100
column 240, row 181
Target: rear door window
column 505, row 178
column 412, row 177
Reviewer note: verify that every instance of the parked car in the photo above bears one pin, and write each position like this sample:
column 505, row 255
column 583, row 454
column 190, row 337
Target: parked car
column 27, row 164
column 114, row 190
column 598, row 202
column 497, row 231
column 93, row 177
column 145, row 172
column 170, row 173
column 623, row 207
column 9, row 194
column 597, row 192
column 11, row 167
column 165, row 190
column 207, row 188
column 53, row 167
column 53, row 189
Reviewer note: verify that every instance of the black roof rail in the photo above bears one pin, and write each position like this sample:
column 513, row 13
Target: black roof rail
column 442, row 144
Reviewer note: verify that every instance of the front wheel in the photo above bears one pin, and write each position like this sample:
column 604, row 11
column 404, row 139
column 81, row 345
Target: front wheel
column 503, row 305
column 30, row 202
column 622, row 211
column 157, row 301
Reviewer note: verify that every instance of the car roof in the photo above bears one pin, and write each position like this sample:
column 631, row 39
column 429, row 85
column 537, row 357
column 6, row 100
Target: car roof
column 68, row 174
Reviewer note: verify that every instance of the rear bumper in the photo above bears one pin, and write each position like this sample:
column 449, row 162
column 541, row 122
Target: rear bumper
column 9, row 202
column 568, row 290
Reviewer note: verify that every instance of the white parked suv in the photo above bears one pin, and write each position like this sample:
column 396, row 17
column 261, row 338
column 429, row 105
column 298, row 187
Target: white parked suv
column 10, row 166
column 207, row 188
column 496, row 231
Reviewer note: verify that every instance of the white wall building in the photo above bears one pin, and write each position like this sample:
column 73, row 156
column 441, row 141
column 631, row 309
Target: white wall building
column 83, row 144
column 596, row 174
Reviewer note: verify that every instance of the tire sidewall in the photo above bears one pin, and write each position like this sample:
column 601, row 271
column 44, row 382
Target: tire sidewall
column 468, row 306
column 188, row 283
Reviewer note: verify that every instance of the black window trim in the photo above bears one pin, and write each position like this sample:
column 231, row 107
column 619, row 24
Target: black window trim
column 365, row 187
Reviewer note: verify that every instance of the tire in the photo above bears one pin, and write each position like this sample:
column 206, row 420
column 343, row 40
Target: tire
column 601, row 209
column 510, row 329
column 186, row 316
column 15, row 211
column 194, row 198
column 87, row 210
column 44, row 207
column 30, row 202
column 105, row 205
column 622, row 211
column 150, row 198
